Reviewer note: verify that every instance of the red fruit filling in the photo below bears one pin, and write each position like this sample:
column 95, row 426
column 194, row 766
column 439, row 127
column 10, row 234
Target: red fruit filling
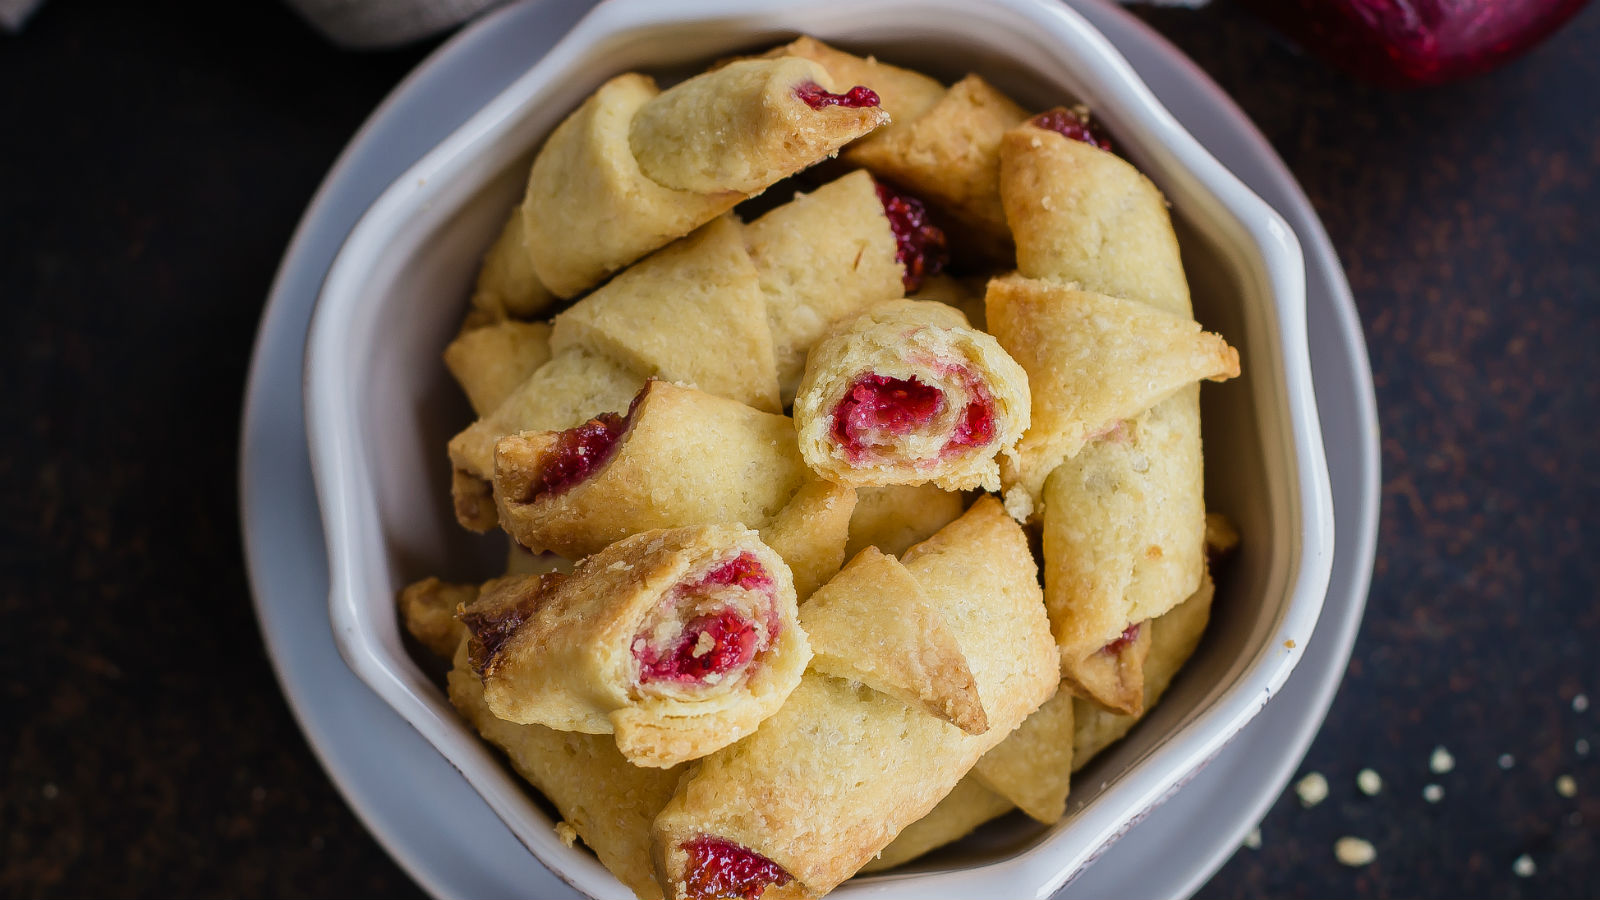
column 710, row 645
column 743, row 571
column 1069, row 124
column 1128, row 636
column 877, row 409
column 920, row 245
column 714, row 642
column 817, row 97
column 719, row 868
column 976, row 427
column 578, row 452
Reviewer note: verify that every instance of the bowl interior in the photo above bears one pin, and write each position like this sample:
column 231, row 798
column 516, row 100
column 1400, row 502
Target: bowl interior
column 406, row 302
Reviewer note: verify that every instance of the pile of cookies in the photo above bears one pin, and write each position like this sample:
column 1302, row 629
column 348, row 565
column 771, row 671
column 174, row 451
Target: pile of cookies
column 842, row 530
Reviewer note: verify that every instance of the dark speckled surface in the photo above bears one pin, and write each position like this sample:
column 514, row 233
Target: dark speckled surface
column 154, row 166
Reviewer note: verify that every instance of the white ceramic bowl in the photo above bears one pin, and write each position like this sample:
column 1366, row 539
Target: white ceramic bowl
column 380, row 407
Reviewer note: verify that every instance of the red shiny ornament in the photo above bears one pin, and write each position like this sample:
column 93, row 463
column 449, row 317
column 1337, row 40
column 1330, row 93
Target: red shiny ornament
column 1410, row 43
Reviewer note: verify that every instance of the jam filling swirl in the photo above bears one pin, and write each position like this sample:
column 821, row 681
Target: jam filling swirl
column 817, row 97
column 720, row 868
column 581, row 451
column 715, row 642
column 877, row 409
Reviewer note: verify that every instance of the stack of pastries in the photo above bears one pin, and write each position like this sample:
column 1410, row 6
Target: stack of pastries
column 822, row 555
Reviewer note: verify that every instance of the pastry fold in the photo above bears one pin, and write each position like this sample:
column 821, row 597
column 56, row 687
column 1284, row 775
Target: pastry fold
column 593, row 204
column 680, row 641
column 607, row 801
column 908, row 394
column 679, row 457
column 691, row 312
column 895, row 517
column 962, row 810
column 821, row 258
column 573, row 387
column 1173, row 639
column 490, row 362
column 1112, row 676
column 829, row 781
column 1124, row 528
column 1081, row 215
column 903, row 93
column 1032, row 767
column 873, row 624
column 810, row 533
column 747, row 125
column 950, row 154
column 1092, row 362
column 428, row 609
column 507, row 287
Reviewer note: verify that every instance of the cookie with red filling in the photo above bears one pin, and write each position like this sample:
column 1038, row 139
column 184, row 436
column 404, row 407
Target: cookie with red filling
column 908, row 394
column 634, row 168
column 679, row 457
column 828, row 781
column 678, row 641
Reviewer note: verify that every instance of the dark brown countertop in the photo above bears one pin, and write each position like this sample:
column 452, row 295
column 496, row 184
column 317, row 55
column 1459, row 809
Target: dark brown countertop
column 154, row 164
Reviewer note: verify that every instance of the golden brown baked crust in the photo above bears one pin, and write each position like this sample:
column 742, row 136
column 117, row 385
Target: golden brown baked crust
column 1112, row 676
column 911, row 341
column 873, row 624
column 1125, row 543
column 490, row 362
column 629, row 643
column 1173, row 640
column 691, row 312
column 810, row 532
column 588, row 210
column 831, row 779
column 1092, row 361
column 962, row 810
column 608, row 802
column 904, row 94
column 684, row 458
column 821, row 258
column 591, row 209
column 894, row 517
column 1032, row 767
column 573, row 387
column 1083, row 216
column 473, row 500
column 743, row 127
column 950, row 155
column 1124, row 527
column 428, row 608
column 507, row 287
